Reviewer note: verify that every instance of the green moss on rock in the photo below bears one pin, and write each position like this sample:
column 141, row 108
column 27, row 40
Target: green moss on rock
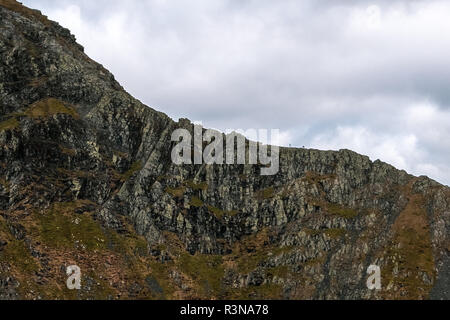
column 135, row 167
column 219, row 213
column 202, row 186
column 15, row 252
column 207, row 270
column 344, row 212
column 176, row 192
column 335, row 233
column 61, row 227
column 265, row 194
column 49, row 107
column 196, row 202
column 269, row 291
column 9, row 124
column 279, row 271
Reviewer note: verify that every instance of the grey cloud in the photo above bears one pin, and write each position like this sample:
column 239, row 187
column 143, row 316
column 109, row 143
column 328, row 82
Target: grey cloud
column 317, row 69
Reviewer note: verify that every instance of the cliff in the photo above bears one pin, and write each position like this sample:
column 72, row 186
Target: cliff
column 86, row 178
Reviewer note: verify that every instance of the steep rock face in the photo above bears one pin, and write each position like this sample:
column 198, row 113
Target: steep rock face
column 86, row 178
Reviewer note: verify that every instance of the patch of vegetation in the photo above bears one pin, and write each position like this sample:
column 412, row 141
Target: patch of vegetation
column 344, row 212
column 161, row 273
column 162, row 178
column 268, row 291
column 335, row 233
column 410, row 255
column 207, row 270
column 49, row 107
column 18, row 255
column 219, row 213
column 127, row 243
column 176, row 192
column 4, row 183
column 101, row 290
column 231, row 213
column 279, row 271
column 216, row 211
column 135, row 167
column 196, row 202
column 331, row 233
column 15, row 252
column 60, row 227
column 320, row 259
column 250, row 262
column 119, row 257
column 202, row 186
column 312, row 232
column 9, row 124
column 256, row 250
column 265, row 193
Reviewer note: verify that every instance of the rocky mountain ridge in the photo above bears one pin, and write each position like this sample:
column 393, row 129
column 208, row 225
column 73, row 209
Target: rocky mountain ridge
column 86, row 178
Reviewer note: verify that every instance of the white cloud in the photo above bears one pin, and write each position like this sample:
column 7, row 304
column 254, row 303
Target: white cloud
column 391, row 149
column 412, row 146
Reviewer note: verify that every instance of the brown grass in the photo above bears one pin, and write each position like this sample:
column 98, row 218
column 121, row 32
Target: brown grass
column 410, row 252
column 9, row 124
column 49, row 107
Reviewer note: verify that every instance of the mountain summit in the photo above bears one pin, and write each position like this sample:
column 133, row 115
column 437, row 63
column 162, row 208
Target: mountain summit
column 86, row 179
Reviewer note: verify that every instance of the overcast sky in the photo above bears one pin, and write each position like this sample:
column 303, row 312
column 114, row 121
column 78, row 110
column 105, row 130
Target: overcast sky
column 371, row 76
